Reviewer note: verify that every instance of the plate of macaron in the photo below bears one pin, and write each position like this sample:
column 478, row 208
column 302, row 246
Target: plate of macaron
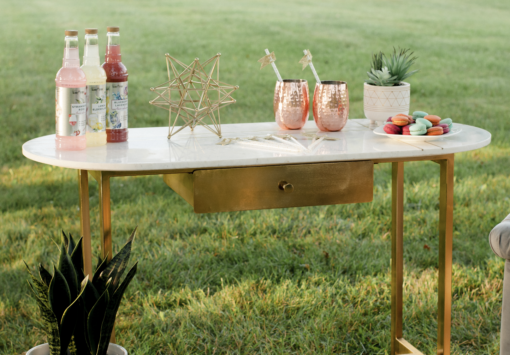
column 419, row 127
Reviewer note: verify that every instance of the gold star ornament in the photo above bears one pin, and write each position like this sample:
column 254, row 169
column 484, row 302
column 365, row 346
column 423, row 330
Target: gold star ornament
column 193, row 95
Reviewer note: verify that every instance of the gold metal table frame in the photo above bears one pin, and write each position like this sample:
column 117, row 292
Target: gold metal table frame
column 398, row 344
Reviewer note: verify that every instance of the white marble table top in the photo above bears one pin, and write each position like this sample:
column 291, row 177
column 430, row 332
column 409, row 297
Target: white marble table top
column 149, row 148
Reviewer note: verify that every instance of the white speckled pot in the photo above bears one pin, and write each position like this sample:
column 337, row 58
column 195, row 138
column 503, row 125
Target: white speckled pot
column 381, row 102
column 44, row 349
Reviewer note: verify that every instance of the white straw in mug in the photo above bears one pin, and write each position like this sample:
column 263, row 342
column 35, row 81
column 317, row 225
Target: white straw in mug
column 313, row 68
column 275, row 69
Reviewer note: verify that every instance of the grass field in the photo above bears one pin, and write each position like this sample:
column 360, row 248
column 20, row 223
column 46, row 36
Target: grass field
column 291, row 281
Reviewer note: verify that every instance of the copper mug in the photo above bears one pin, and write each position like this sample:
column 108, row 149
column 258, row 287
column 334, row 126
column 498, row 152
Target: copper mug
column 331, row 105
column 291, row 103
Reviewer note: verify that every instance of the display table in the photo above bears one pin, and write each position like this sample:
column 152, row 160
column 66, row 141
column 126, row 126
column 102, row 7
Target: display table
column 216, row 178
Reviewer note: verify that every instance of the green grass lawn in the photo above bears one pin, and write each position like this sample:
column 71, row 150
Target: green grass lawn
column 290, row 281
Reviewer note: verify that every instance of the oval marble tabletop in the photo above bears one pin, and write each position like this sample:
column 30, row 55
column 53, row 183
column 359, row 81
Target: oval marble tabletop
column 149, row 148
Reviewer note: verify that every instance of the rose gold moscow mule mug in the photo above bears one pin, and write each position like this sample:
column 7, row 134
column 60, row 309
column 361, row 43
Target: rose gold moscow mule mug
column 331, row 105
column 291, row 103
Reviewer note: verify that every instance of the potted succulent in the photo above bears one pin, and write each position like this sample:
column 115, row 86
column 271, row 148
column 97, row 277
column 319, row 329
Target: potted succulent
column 78, row 313
column 385, row 92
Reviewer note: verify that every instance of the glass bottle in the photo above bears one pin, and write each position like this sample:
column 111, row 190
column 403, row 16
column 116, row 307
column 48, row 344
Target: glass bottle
column 70, row 98
column 116, row 90
column 96, row 90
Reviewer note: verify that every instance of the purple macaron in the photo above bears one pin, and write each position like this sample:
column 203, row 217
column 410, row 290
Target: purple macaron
column 445, row 128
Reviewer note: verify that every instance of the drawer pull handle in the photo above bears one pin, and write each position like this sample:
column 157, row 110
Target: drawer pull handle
column 285, row 186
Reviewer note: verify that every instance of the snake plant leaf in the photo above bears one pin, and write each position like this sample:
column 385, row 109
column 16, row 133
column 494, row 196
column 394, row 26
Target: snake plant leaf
column 77, row 260
column 90, row 295
column 98, row 283
column 80, row 334
column 72, row 347
column 99, row 262
column 111, row 312
column 118, row 264
column 65, row 266
column 95, row 319
column 43, row 304
column 72, row 245
column 59, row 294
column 49, row 320
column 40, row 287
column 45, row 275
column 77, row 254
column 65, row 239
column 68, row 322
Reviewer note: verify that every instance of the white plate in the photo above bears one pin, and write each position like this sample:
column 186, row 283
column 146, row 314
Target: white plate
column 455, row 130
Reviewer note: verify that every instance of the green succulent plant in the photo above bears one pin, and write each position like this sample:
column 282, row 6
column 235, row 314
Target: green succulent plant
column 399, row 63
column 391, row 71
column 380, row 77
column 78, row 317
column 377, row 61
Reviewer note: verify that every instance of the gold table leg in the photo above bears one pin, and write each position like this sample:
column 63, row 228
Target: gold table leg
column 397, row 254
column 398, row 344
column 445, row 256
column 103, row 180
column 83, row 182
column 106, row 216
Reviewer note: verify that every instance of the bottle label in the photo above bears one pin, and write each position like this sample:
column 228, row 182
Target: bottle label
column 117, row 105
column 70, row 111
column 96, row 108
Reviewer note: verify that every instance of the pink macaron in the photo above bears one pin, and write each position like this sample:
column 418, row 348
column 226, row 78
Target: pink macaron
column 390, row 128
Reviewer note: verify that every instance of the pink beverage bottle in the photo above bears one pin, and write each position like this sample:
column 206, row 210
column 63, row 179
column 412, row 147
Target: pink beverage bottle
column 116, row 89
column 71, row 99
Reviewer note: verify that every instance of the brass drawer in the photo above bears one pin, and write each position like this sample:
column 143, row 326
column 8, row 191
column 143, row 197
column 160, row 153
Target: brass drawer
column 255, row 188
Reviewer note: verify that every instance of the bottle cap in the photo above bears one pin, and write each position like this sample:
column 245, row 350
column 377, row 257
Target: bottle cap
column 112, row 29
column 91, row 31
column 71, row 33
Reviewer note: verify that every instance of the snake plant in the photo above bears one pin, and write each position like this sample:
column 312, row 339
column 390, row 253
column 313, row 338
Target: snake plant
column 78, row 317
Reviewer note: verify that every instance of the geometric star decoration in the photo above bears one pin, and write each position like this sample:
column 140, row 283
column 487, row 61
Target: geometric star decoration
column 193, row 95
